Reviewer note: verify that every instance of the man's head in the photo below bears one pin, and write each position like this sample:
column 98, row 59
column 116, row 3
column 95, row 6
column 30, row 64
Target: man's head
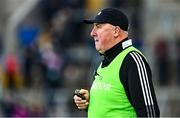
column 110, row 27
column 112, row 16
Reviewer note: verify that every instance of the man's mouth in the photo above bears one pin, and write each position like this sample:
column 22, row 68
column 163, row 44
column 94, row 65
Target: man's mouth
column 96, row 40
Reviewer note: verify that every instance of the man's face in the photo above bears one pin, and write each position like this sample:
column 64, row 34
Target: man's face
column 103, row 35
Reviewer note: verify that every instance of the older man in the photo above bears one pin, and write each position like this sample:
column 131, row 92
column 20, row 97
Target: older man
column 122, row 85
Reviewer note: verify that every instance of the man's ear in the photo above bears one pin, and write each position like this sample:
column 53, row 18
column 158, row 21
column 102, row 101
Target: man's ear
column 117, row 31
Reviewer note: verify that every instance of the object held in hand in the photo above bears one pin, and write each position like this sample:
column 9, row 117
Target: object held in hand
column 77, row 92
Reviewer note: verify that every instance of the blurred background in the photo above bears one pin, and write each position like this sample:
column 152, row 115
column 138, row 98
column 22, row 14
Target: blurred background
column 46, row 52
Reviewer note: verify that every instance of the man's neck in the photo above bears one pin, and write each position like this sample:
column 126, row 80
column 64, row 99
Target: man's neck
column 110, row 54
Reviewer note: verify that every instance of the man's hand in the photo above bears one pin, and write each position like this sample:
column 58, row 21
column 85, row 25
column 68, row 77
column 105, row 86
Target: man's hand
column 80, row 103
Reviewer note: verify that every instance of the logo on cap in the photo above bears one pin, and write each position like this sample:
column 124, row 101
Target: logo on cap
column 99, row 13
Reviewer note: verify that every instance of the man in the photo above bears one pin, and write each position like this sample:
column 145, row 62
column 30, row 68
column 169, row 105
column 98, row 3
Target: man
column 122, row 85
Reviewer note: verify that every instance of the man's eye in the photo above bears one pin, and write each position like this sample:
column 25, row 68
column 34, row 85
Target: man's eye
column 98, row 25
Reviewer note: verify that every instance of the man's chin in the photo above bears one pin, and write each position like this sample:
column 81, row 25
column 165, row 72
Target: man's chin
column 100, row 51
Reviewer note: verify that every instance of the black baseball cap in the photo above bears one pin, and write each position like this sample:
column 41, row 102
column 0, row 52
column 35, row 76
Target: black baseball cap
column 112, row 16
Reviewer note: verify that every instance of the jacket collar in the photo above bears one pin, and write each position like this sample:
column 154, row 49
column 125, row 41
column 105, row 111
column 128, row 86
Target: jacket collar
column 110, row 54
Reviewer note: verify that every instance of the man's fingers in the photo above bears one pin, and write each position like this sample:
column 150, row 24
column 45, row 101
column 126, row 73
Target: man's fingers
column 80, row 101
column 83, row 91
column 76, row 98
column 82, row 106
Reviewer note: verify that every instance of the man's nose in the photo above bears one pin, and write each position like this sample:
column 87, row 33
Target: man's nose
column 93, row 33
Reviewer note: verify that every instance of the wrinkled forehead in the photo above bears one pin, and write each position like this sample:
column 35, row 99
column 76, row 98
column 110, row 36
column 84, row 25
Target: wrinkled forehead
column 103, row 24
